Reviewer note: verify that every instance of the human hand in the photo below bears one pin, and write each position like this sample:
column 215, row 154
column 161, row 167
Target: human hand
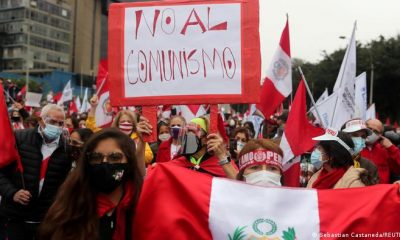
column 144, row 126
column 385, row 142
column 18, row 105
column 22, row 196
column 216, row 144
column 94, row 101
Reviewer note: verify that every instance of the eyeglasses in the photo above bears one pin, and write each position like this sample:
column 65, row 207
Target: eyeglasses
column 97, row 158
column 74, row 142
column 54, row 122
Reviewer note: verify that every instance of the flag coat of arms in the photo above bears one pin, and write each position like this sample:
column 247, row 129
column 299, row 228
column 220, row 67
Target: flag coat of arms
column 177, row 203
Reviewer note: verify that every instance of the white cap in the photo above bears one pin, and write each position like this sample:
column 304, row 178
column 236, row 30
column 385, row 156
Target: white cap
column 331, row 135
column 356, row 125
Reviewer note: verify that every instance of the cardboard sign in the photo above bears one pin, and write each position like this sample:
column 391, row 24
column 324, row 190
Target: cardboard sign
column 33, row 99
column 184, row 52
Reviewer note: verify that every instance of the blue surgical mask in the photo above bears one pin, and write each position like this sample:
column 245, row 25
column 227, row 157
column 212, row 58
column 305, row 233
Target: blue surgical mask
column 52, row 132
column 316, row 158
column 359, row 144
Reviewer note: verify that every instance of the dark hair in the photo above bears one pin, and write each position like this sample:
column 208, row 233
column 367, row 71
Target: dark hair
column 250, row 128
column 338, row 156
column 74, row 121
column 243, row 130
column 73, row 215
column 84, row 133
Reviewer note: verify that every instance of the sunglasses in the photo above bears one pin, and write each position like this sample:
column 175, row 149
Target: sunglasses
column 97, row 158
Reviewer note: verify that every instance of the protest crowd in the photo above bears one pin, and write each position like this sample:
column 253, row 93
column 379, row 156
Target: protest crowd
column 93, row 170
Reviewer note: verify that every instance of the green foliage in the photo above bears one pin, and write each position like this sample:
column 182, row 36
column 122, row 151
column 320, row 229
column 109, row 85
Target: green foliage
column 238, row 234
column 383, row 54
column 290, row 234
column 33, row 85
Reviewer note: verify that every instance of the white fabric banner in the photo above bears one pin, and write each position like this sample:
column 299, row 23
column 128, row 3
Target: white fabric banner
column 325, row 109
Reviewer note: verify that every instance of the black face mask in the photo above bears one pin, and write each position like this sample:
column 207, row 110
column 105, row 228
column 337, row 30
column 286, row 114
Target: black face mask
column 74, row 152
column 105, row 177
column 15, row 119
column 191, row 144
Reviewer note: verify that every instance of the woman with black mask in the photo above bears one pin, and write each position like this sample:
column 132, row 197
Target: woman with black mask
column 77, row 138
column 97, row 199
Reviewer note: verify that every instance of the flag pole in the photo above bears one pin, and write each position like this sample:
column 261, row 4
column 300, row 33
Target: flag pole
column 101, row 85
column 311, row 96
column 8, row 95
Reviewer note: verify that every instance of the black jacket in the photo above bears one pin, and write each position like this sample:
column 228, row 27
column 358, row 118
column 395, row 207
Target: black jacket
column 29, row 143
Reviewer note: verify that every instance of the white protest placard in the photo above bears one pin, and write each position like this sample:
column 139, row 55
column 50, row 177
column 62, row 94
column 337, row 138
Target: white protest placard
column 33, row 99
column 188, row 52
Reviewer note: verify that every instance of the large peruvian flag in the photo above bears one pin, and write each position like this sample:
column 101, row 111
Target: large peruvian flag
column 278, row 82
column 178, row 203
column 297, row 138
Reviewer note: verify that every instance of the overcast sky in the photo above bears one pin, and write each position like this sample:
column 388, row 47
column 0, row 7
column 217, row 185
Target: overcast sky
column 315, row 25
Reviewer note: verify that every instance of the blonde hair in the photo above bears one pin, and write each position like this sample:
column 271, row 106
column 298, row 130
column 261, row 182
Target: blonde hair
column 131, row 115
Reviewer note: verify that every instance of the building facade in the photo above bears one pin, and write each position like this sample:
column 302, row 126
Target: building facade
column 36, row 35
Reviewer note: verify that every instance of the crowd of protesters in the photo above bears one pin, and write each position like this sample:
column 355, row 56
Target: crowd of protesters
column 82, row 182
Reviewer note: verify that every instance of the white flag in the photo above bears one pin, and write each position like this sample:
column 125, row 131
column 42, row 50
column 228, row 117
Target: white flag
column 325, row 109
column 347, row 73
column 345, row 106
column 85, row 104
column 78, row 102
column 323, row 96
column 371, row 113
column 66, row 94
column 361, row 96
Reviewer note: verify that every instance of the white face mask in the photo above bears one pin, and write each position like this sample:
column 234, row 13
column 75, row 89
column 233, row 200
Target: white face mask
column 239, row 146
column 263, row 178
column 164, row 137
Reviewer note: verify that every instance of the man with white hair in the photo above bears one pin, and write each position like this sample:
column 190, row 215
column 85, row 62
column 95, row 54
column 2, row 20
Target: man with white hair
column 27, row 195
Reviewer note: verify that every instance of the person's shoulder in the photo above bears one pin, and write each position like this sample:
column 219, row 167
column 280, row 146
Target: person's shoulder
column 21, row 133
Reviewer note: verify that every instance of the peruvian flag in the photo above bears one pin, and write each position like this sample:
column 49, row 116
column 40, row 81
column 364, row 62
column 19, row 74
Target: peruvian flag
column 297, row 138
column 57, row 97
column 8, row 148
column 104, row 110
column 278, row 82
column 190, row 205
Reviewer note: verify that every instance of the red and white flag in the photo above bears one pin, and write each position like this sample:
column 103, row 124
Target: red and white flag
column 104, row 110
column 191, row 111
column 278, row 82
column 22, row 92
column 8, row 150
column 189, row 205
column 297, row 138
